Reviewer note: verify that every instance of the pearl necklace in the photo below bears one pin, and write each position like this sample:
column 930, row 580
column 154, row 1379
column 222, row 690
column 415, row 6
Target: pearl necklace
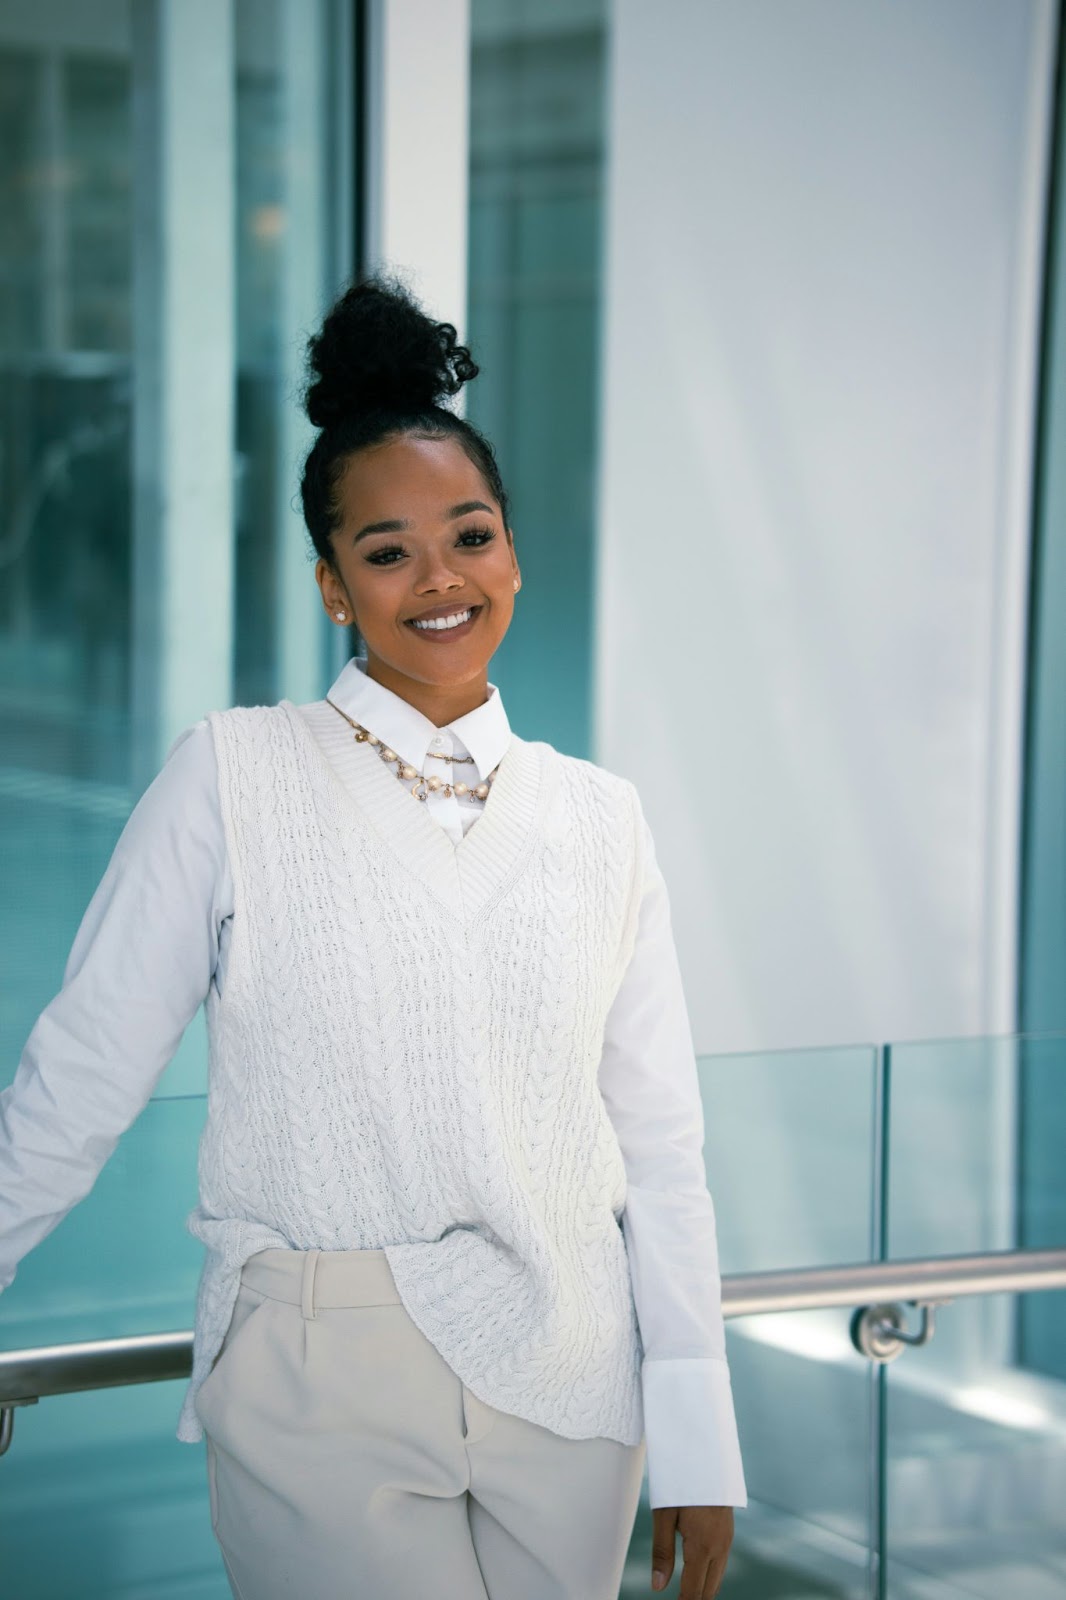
column 405, row 772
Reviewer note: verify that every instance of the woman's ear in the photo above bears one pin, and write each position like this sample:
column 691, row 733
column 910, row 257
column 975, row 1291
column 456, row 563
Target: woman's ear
column 334, row 599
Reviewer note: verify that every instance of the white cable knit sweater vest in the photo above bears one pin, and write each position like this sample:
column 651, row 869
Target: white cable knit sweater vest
column 405, row 1055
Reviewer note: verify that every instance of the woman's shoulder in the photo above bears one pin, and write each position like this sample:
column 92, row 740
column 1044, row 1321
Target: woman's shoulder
column 232, row 729
column 582, row 770
column 198, row 754
column 191, row 753
column 181, row 802
column 244, row 716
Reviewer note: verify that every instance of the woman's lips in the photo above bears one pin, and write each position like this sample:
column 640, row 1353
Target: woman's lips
column 440, row 635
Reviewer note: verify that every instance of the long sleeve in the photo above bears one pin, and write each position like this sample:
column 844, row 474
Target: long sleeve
column 650, row 1088
column 140, row 966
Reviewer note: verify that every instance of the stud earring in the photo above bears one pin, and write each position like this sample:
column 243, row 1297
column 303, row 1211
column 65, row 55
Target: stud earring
column 340, row 615
column 516, row 583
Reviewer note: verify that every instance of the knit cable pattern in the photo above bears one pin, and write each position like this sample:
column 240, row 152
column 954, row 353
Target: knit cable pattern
column 412, row 1067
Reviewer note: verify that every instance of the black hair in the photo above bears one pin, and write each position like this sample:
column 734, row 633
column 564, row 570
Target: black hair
column 382, row 367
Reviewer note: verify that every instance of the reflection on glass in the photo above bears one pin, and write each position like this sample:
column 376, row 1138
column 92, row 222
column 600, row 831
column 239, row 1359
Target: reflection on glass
column 259, row 237
column 131, row 1500
column 85, row 589
column 975, row 1435
column 65, row 492
column 536, row 177
column 122, row 1262
column 788, row 1154
column 65, row 179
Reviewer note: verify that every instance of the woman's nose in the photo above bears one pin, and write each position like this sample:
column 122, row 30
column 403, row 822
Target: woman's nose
column 437, row 574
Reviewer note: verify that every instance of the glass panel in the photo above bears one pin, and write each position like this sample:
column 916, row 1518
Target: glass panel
column 974, row 1165
column 260, row 225
column 788, row 1155
column 976, row 1448
column 793, row 1189
column 96, row 104
column 1042, row 1193
column 65, row 417
column 536, row 169
column 66, row 422
column 976, row 1418
column 288, row 248
column 65, row 511
column 106, row 1466
column 100, row 1502
column 105, row 1271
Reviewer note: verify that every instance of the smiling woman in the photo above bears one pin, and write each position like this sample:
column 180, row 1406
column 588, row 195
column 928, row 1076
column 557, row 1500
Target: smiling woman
column 404, row 501
column 459, row 1252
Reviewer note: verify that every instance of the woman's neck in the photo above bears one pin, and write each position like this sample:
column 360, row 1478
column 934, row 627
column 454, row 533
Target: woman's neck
column 440, row 702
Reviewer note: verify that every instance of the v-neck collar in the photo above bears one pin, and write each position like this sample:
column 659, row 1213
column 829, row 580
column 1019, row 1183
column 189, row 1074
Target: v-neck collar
column 465, row 877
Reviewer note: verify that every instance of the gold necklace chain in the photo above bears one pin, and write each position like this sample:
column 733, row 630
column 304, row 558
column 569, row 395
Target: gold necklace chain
column 422, row 786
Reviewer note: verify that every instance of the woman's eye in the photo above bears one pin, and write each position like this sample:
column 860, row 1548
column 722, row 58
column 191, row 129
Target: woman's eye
column 480, row 536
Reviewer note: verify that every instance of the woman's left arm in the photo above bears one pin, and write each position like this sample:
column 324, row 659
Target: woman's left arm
column 650, row 1088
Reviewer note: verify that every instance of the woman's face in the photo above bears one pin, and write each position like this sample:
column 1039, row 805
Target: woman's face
column 420, row 535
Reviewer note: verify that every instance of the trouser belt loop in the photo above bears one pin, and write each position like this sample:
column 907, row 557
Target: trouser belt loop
column 307, row 1285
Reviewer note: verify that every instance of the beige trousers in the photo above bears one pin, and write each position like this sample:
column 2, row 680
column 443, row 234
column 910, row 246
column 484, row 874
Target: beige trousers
column 347, row 1461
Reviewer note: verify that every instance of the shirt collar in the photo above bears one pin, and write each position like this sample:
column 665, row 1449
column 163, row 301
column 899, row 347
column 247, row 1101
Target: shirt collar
column 483, row 733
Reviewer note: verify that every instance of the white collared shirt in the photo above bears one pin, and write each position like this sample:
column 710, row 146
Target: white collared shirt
column 160, row 922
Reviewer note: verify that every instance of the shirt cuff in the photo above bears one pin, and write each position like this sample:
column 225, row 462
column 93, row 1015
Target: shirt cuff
column 693, row 1453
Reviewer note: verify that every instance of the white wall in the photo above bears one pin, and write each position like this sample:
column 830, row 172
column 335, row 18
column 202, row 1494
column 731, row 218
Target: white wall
column 823, row 242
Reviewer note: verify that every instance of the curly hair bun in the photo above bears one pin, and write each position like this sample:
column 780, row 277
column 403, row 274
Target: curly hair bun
column 377, row 350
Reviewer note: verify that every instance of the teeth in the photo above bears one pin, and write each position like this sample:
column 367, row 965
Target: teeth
column 446, row 622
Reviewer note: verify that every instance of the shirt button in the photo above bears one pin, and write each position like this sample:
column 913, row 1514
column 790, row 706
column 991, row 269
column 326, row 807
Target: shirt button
column 437, row 741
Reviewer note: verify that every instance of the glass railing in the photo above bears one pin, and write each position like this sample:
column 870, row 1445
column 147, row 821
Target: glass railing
column 791, row 1138
column 941, row 1473
column 974, row 1424
column 935, row 1475
column 105, row 1467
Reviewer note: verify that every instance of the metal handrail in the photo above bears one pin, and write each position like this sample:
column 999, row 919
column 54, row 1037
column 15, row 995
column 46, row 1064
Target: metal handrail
column 922, row 1278
column 31, row 1374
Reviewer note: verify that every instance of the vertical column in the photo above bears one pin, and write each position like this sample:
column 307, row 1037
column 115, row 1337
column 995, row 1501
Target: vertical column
column 304, row 289
column 418, row 160
column 183, row 364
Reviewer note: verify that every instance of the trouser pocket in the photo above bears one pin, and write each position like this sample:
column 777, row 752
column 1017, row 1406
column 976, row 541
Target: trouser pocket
column 248, row 1307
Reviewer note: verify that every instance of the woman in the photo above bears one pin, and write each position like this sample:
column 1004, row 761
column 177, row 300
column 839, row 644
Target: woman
column 461, row 1272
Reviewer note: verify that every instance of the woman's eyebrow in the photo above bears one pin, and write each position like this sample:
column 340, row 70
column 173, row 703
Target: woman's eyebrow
column 468, row 506
column 396, row 525
column 401, row 524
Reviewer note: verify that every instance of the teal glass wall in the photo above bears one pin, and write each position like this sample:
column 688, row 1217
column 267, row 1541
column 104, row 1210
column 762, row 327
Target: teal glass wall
column 80, row 637
column 99, row 101
column 536, row 165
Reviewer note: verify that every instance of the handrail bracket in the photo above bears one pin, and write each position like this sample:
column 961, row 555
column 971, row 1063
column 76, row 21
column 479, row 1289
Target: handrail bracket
column 879, row 1331
column 7, row 1420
